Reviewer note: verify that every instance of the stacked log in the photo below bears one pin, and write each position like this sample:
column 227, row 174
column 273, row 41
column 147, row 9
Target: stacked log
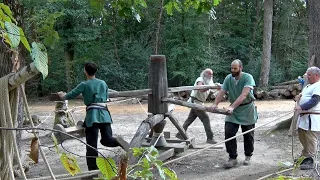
column 286, row 89
column 283, row 90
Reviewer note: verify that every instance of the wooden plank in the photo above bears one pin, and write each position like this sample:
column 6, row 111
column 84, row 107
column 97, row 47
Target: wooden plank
column 74, row 129
column 204, row 145
column 164, row 155
column 187, row 141
column 176, row 123
column 166, row 134
column 194, row 106
column 178, row 147
column 189, row 88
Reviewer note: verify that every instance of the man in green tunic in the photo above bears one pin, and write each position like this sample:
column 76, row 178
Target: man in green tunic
column 239, row 86
column 95, row 94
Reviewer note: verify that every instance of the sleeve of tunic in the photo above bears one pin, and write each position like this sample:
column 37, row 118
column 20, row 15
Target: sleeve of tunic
column 249, row 82
column 225, row 85
column 75, row 92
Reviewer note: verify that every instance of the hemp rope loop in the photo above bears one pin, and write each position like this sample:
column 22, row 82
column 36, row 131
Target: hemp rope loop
column 8, row 118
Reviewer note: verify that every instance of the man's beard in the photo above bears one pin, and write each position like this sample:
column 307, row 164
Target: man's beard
column 208, row 81
column 234, row 74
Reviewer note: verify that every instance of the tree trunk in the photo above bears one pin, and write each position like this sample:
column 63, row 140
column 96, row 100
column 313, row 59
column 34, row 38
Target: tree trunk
column 313, row 7
column 156, row 47
column 69, row 54
column 267, row 34
column 7, row 66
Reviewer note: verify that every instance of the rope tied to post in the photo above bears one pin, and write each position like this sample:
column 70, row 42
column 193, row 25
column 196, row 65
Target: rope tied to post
column 8, row 118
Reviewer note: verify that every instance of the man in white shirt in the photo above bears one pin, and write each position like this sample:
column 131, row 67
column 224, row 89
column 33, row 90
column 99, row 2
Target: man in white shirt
column 309, row 119
column 199, row 97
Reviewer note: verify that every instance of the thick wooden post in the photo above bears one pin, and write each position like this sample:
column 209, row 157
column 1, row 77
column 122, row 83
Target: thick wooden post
column 158, row 83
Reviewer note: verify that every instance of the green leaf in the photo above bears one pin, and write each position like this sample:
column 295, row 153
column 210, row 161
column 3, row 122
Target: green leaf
column 55, row 141
column 216, row 2
column 13, row 33
column 7, row 11
column 40, row 58
column 24, row 40
column 107, row 167
column 97, row 6
column 169, row 8
column 70, row 163
column 146, row 164
column 146, row 173
column 4, row 17
column 161, row 172
column 137, row 151
column 170, row 173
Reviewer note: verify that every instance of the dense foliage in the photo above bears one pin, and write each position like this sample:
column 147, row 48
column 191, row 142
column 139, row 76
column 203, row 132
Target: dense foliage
column 76, row 31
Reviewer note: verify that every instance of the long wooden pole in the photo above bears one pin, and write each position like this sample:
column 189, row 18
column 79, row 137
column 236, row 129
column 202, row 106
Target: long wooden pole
column 194, row 106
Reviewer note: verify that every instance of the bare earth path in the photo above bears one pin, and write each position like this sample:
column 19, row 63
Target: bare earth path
column 270, row 150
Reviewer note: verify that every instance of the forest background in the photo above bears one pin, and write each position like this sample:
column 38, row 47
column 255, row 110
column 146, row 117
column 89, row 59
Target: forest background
column 75, row 32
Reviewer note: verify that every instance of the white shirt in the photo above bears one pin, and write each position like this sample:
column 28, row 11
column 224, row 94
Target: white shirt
column 201, row 96
column 303, row 121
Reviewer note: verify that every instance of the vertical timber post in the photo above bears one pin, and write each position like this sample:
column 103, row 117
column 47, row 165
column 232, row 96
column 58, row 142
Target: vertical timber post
column 159, row 84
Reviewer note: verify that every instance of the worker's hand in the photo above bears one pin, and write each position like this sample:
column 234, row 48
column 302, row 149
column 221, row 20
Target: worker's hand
column 297, row 97
column 61, row 94
column 218, row 86
column 213, row 107
column 298, row 108
column 230, row 109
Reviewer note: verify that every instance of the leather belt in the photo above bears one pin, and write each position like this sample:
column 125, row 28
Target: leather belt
column 246, row 103
column 97, row 106
column 304, row 113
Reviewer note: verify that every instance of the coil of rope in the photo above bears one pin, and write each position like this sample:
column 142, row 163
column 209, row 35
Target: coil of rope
column 8, row 118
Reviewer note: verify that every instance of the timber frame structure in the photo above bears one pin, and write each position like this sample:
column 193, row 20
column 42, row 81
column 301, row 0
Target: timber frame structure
column 157, row 107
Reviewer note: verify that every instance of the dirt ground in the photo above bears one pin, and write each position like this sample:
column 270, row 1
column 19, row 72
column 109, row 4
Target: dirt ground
column 270, row 150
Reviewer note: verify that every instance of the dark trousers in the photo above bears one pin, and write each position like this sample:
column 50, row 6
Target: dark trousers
column 92, row 140
column 203, row 116
column 231, row 130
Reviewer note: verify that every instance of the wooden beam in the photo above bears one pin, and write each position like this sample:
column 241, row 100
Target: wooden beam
column 140, row 92
column 189, row 88
column 142, row 132
column 22, row 76
column 194, row 106
column 157, row 81
column 133, row 93
column 176, row 123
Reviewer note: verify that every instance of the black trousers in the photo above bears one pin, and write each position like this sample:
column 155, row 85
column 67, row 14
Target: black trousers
column 92, row 140
column 231, row 130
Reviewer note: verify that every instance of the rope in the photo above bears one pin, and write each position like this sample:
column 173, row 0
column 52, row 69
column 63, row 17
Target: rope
column 34, row 132
column 8, row 118
column 55, row 130
column 214, row 145
column 264, row 177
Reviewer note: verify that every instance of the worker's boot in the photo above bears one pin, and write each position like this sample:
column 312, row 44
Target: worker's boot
column 246, row 161
column 230, row 163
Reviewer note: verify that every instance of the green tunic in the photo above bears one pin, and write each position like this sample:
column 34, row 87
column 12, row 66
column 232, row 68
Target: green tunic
column 243, row 114
column 93, row 91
